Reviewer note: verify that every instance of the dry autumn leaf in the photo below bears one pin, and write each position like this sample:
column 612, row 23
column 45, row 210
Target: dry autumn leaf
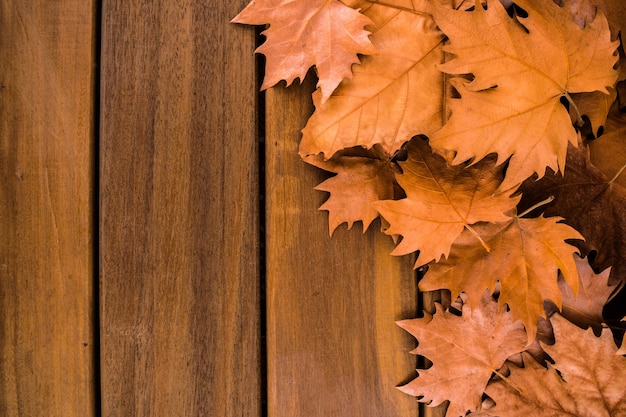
column 392, row 96
column 360, row 181
column 615, row 12
column 303, row 33
column 587, row 379
column 525, row 73
column 593, row 108
column 525, row 257
column 591, row 203
column 441, row 201
column 608, row 152
column 585, row 308
column 465, row 352
column 522, row 68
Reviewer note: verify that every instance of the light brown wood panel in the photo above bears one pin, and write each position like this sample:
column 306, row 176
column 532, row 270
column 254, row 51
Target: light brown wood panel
column 333, row 348
column 47, row 57
column 179, row 211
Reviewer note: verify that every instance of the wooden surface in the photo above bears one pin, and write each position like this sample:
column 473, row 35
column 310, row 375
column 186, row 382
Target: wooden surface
column 332, row 346
column 47, row 58
column 178, row 238
column 179, row 211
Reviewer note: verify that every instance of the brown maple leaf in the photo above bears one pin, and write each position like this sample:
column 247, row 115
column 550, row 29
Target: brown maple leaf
column 392, row 96
column 585, row 308
column 608, row 152
column 441, row 201
column 363, row 177
column 525, row 257
column 303, row 33
column 522, row 67
column 465, row 352
column 591, row 379
column 591, row 203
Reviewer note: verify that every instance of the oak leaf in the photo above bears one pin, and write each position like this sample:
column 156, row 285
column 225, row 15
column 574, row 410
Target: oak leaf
column 525, row 257
column 392, row 96
column 363, row 177
column 591, row 379
column 522, row 68
column 303, row 33
column 591, row 203
column 465, row 352
column 441, row 201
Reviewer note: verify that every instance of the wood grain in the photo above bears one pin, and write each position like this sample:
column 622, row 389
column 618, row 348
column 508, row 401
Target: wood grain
column 179, row 211
column 333, row 348
column 47, row 58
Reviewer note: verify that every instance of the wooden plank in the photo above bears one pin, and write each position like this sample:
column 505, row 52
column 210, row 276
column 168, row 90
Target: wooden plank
column 333, row 347
column 179, row 211
column 47, row 58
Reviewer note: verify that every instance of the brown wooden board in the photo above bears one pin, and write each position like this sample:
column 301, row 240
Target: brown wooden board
column 47, row 74
column 333, row 347
column 179, row 211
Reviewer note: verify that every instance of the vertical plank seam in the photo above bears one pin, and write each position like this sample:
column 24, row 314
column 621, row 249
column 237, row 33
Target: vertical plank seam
column 262, row 201
column 97, row 85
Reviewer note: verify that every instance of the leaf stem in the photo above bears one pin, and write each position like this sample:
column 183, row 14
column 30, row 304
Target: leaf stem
column 579, row 118
column 539, row 204
column 618, row 174
column 511, row 384
column 482, row 242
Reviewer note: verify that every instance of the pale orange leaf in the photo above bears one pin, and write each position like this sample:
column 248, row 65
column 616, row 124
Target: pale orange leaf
column 585, row 308
column 303, row 33
column 441, row 201
column 360, row 181
column 392, row 96
column 591, row 379
column 522, row 68
column 465, row 352
column 525, row 257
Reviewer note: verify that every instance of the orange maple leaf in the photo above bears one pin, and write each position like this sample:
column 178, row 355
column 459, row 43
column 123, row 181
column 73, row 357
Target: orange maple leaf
column 303, row 33
column 441, row 201
column 591, row 379
column 591, row 203
column 360, row 181
column 525, row 257
column 392, row 96
column 465, row 352
column 522, row 68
